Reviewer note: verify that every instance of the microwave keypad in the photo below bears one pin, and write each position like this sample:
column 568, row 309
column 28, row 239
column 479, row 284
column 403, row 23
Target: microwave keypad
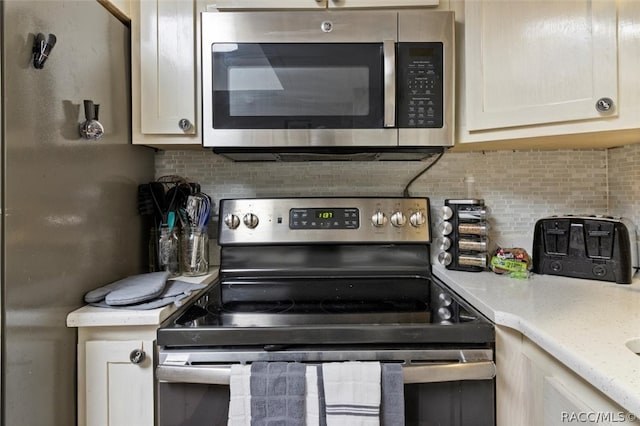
column 420, row 85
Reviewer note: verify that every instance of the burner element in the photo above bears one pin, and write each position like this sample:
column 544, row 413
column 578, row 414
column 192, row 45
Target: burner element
column 382, row 306
column 275, row 307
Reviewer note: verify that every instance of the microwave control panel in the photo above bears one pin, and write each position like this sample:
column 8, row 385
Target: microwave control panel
column 420, row 85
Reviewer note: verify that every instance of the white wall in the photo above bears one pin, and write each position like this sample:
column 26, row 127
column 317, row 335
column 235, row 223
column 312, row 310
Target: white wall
column 518, row 186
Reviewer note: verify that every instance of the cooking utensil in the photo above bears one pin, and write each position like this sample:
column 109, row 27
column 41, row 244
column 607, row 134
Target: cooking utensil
column 198, row 210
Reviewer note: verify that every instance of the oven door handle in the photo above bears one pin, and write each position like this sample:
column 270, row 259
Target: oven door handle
column 413, row 374
column 436, row 373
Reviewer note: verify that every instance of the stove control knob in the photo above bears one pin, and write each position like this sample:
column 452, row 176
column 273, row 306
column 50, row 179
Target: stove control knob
column 445, row 299
column 250, row 220
column 379, row 219
column 418, row 219
column 444, row 314
column 232, row 221
column 398, row 219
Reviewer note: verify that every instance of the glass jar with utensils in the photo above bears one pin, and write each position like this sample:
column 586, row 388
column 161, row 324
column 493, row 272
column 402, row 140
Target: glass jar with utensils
column 168, row 250
column 194, row 251
column 194, row 238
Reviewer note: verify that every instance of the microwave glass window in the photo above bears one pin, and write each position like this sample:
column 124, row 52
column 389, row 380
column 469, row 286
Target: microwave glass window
column 297, row 85
column 285, row 91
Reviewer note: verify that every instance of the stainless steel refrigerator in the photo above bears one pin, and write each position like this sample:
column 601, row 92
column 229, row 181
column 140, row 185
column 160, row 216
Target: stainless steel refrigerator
column 69, row 216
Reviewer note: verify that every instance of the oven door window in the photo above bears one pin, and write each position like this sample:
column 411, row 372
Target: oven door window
column 297, row 86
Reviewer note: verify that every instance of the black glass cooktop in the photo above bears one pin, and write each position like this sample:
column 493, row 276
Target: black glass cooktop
column 290, row 313
column 274, row 324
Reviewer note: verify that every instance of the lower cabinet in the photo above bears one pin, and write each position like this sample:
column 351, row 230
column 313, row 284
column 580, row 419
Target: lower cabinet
column 119, row 378
column 116, row 360
column 534, row 388
column 116, row 376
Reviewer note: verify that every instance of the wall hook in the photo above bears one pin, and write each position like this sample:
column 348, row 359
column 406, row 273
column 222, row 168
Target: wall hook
column 91, row 128
column 42, row 49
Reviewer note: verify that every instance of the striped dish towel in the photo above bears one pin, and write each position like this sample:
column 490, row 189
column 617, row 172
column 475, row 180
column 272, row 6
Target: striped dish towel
column 352, row 393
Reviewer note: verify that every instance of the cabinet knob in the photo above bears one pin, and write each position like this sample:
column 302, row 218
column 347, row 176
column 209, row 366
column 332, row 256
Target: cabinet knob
column 137, row 356
column 185, row 124
column 604, row 104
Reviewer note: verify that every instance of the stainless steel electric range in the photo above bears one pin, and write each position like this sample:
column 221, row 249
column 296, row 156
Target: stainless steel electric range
column 328, row 279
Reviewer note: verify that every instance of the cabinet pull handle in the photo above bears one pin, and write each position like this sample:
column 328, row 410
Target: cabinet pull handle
column 604, row 104
column 137, row 356
column 185, row 124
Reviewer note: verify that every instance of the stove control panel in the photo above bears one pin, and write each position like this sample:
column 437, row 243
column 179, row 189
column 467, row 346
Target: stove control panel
column 324, row 220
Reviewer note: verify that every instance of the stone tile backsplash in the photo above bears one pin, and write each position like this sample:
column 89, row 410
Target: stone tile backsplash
column 519, row 187
column 624, row 182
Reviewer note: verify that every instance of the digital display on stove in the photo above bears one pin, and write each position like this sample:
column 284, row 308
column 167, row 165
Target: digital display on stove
column 324, row 214
column 323, row 218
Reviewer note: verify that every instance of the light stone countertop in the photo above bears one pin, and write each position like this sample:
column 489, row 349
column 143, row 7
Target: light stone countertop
column 585, row 324
column 92, row 316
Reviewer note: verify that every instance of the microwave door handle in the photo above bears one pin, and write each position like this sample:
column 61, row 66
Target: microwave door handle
column 389, row 52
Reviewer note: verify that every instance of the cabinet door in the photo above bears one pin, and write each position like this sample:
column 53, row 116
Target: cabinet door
column 119, row 392
column 530, row 62
column 271, row 4
column 381, row 3
column 560, row 404
column 167, row 67
column 534, row 388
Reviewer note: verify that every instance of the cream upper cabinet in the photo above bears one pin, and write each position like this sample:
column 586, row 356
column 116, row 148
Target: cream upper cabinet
column 167, row 66
column 379, row 3
column 121, row 9
column 165, row 86
column 532, row 62
column 271, row 4
column 319, row 4
column 560, row 72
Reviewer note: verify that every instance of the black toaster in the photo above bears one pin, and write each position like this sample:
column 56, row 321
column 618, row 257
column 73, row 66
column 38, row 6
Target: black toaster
column 592, row 247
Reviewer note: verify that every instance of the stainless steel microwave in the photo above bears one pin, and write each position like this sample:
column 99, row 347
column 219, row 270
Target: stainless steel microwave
column 357, row 85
